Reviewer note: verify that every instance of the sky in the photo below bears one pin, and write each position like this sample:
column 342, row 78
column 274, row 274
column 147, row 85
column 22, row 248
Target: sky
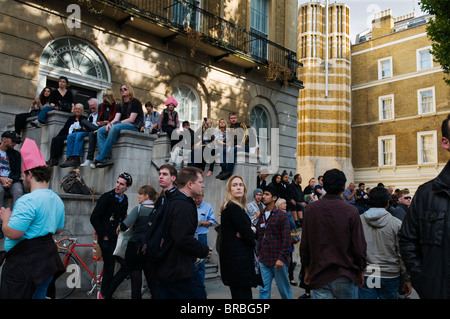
column 362, row 11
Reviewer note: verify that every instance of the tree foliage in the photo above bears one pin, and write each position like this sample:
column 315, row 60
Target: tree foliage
column 438, row 31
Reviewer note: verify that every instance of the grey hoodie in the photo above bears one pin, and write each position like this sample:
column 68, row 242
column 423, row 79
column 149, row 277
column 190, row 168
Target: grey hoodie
column 381, row 233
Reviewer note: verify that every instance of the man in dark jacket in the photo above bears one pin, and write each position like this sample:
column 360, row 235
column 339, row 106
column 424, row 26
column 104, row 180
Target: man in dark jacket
column 10, row 167
column 111, row 209
column 176, row 270
column 425, row 234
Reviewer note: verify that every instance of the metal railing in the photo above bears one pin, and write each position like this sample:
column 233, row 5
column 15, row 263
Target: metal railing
column 180, row 15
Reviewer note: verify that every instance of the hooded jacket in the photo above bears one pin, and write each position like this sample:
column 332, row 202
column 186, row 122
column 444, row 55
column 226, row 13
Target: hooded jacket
column 380, row 230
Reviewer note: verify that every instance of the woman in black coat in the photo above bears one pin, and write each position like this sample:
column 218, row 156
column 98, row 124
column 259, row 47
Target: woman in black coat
column 238, row 241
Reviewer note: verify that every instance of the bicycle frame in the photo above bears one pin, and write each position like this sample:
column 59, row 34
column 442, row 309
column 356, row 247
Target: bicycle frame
column 70, row 248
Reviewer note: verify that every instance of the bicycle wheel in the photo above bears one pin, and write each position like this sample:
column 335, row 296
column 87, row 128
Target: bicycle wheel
column 65, row 285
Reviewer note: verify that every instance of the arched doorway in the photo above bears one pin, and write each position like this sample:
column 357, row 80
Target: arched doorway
column 82, row 63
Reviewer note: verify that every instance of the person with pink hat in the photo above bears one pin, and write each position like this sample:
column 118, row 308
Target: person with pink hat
column 32, row 257
column 169, row 121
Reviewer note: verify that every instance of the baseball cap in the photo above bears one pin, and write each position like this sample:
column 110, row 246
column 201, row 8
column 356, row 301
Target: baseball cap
column 12, row 135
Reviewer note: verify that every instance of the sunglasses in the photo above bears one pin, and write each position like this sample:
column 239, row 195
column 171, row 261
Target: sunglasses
column 407, row 197
column 125, row 176
column 123, row 89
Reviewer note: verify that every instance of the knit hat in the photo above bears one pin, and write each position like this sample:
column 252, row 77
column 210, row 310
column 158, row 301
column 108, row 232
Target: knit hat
column 256, row 191
column 31, row 155
column 171, row 100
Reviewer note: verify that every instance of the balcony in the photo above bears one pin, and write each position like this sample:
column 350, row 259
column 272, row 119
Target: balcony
column 177, row 20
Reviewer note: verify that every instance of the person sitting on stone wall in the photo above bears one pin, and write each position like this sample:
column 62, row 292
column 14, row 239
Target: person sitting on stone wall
column 73, row 124
column 75, row 140
column 60, row 99
column 38, row 103
column 106, row 114
column 129, row 116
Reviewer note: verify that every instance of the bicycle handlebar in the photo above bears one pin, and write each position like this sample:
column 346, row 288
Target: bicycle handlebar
column 65, row 246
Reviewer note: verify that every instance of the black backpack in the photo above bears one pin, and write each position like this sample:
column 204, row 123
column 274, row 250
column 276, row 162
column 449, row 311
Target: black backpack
column 155, row 241
column 73, row 183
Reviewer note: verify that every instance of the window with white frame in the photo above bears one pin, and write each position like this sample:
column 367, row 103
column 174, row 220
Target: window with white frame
column 189, row 106
column 386, row 107
column 386, row 150
column 427, row 147
column 424, row 58
column 385, row 68
column 426, row 101
column 259, row 25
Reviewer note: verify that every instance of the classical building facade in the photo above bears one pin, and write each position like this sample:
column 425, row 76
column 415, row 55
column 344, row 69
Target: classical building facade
column 324, row 115
column 215, row 57
column 399, row 100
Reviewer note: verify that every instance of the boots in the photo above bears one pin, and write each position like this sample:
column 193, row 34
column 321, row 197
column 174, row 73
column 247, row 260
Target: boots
column 72, row 161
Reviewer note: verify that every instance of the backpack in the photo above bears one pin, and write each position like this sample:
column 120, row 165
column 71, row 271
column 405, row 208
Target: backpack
column 155, row 241
column 73, row 183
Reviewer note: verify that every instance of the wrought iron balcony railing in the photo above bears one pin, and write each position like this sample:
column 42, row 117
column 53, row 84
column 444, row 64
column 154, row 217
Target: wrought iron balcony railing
column 181, row 15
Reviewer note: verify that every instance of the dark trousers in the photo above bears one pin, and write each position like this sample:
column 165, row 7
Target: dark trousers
column 92, row 145
column 109, row 262
column 57, row 146
column 241, row 292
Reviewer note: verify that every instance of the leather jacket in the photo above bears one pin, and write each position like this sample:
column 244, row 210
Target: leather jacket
column 425, row 238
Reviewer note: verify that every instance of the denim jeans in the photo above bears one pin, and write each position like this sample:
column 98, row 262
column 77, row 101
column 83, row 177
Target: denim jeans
column 42, row 117
column 106, row 139
column 281, row 278
column 340, row 288
column 387, row 289
column 41, row 289
column 75, row 144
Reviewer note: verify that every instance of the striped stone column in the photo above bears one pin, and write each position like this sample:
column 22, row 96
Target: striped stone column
column 324, row 118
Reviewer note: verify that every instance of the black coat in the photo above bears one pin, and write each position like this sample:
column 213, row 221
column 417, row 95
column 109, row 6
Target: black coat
column 425, row 238
column 237, row 253
column 181, row 223
column 108, row 213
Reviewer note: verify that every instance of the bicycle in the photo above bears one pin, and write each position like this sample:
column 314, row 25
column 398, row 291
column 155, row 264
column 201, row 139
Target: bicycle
column 65, row 284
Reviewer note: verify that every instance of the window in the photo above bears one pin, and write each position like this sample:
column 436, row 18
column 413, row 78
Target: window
column 189, row 108
column 185, row 15
column 386, row 150
column 259, row 119
column 259, row 25
column 426, row 147
column 424, row 59
column 82, row 63
column 384, row 68
column 386, row 107
column 426, row 102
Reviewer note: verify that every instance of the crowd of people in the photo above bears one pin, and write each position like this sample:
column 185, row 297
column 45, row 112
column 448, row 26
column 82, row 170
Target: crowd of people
column 355, row 242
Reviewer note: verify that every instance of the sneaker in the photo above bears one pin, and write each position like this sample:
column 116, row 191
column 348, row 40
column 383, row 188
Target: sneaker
column 86, row 163
column 305, row 296
column 104, row 164
column 36, row 123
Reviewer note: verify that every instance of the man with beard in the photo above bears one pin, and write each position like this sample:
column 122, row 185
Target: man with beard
column 10, row 166
column 32, row 259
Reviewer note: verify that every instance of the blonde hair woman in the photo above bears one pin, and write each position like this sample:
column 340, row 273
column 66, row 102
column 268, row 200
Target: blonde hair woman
column 238, row 241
